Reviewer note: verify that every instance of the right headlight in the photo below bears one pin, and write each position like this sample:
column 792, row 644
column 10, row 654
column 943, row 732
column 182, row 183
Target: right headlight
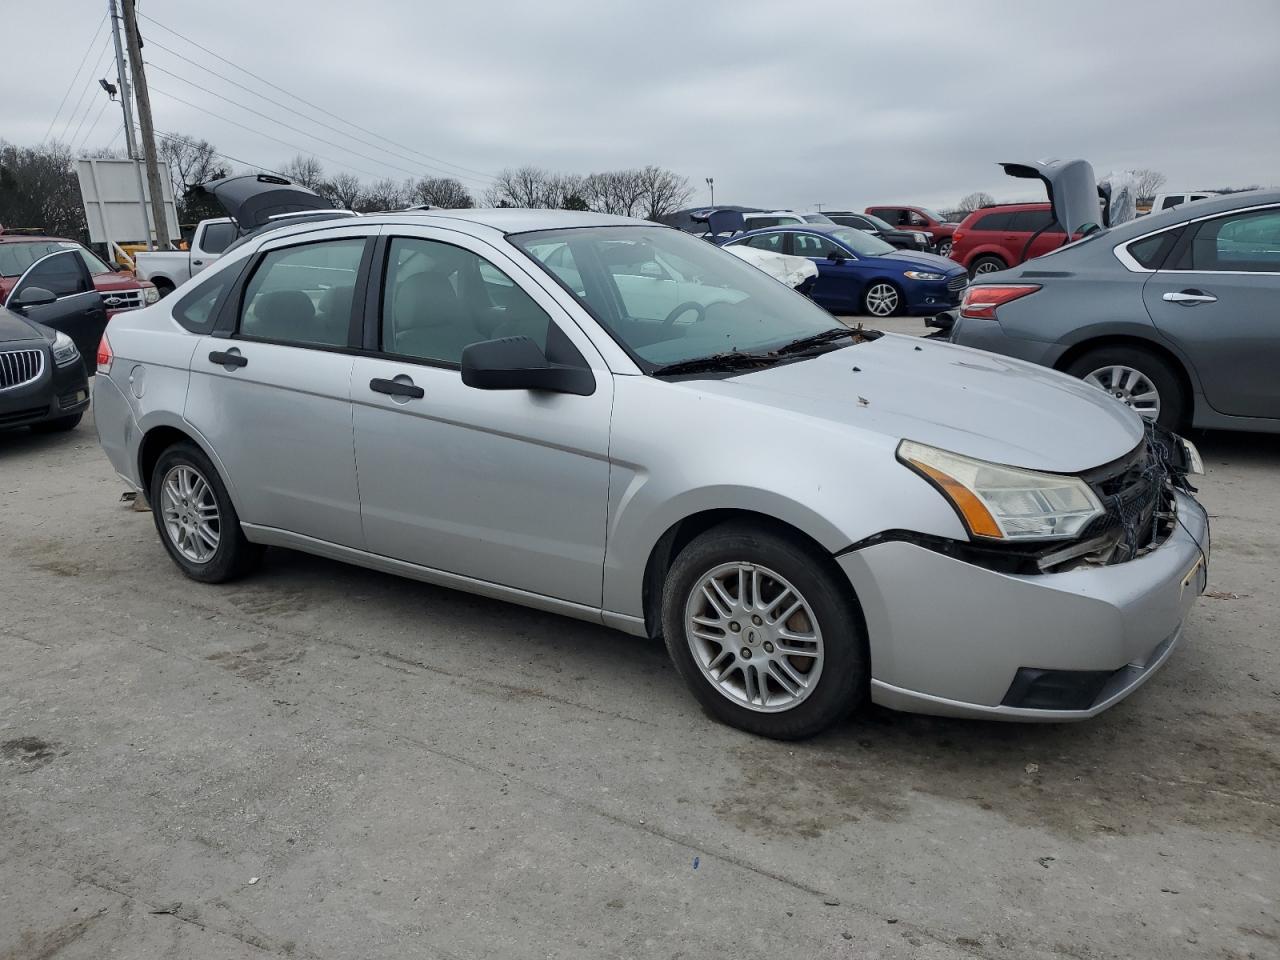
column 1005, row 503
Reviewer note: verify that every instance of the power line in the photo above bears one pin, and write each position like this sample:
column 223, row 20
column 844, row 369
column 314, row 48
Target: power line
column 296, row 112
column 89, row 85
column 191, row 143
column 75, row 76
column 287, row 126
column 314, row 106
column 293, row 146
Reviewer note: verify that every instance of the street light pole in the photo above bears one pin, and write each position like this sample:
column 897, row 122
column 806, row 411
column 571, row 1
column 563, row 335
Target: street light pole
column 711, row 182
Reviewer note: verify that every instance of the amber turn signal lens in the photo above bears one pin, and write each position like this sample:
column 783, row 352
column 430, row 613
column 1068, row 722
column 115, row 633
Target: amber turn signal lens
column 976, row 517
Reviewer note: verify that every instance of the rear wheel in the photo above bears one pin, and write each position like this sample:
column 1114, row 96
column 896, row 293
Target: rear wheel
column 986, row 265
column 764, row 633
column 196, row 520
column 1138, row 378
column 882, row 299
column 57, row 424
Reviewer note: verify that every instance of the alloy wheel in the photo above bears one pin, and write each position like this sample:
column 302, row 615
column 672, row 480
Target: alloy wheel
column 189, row 510
column 944, row 248
column 1131, row 387
column 882, row 300
column 754, row 637
column 986, row 266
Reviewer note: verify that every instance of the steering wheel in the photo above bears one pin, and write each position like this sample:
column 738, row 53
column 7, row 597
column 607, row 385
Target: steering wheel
column 683, row 309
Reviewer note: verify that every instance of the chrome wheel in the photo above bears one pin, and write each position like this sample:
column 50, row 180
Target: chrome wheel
column 944, row 248
column 1131, row 387
column 882, row 300
column 754, row 637
column 189, row 510
column 986, row 266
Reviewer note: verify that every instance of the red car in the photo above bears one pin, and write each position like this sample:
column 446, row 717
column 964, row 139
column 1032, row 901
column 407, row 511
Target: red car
column 120, row 291
column 996, row 238
column 919, row 218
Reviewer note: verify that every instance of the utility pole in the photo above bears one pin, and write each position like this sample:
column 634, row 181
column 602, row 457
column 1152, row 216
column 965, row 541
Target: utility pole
column 711, row 184
column 122, row 79
column 158, row 219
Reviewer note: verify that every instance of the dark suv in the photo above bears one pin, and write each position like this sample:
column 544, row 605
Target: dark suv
column 999, row 237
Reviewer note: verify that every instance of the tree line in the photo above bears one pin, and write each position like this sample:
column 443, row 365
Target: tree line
column 38, row 187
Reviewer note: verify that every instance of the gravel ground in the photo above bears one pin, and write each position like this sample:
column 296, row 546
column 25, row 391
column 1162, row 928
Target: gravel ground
column 326, row 762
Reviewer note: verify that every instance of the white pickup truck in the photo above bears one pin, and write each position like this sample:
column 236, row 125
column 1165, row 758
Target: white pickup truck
column 169, row 268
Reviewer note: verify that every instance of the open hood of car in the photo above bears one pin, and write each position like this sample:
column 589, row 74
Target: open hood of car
column 251, row 200
column 1073, row 192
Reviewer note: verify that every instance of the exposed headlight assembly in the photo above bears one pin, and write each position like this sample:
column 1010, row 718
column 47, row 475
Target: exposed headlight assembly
column 64, row 350
column 923, row 275
column 150, row 294
column 1005, row 503
column 921, row 238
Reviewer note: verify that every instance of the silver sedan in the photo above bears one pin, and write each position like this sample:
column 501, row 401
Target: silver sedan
column 619, row 422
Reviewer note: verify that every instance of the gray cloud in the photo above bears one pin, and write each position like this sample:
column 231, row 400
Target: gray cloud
column 784, row 104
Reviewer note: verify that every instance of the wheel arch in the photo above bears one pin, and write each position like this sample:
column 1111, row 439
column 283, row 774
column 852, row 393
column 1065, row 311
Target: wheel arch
column 1180, row 368
column 159, row 437
column 683, row 531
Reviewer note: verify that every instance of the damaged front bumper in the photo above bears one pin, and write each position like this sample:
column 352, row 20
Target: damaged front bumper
column 1004, row 646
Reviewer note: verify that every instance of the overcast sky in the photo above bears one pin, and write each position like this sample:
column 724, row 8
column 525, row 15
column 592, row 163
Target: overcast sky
column 784, row 104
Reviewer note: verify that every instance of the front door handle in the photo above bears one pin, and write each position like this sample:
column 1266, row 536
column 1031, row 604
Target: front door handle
column 228, row 358
column 1190, row 297
column 397, row 388
column 198, row 263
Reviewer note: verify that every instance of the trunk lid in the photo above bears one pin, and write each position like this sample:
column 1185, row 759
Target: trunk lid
column 253, row 199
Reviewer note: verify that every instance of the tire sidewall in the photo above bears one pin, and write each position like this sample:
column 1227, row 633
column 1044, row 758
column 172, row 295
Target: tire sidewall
column 228, row 558
column 845, row 670
column 1173, row 402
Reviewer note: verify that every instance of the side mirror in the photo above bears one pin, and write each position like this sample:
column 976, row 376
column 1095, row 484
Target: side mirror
column 836, row 256
column 516, row 363
column 32, row 297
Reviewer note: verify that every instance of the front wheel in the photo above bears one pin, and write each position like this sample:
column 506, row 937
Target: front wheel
column 764, row 633
column 1137, row 378
column 944, row 248
column 882, row 299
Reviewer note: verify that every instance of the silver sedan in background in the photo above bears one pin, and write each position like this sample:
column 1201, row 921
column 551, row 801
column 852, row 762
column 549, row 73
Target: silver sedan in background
column 619, row 422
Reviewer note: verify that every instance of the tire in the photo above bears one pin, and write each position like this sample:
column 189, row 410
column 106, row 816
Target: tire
column 987, row 264
column 876, row 302
column 944, row 247
column 57, row 424
column 1099, row 366
column 842, row 661
column 232, row 555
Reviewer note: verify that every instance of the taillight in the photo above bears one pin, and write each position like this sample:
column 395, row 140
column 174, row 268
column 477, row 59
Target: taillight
column 955, row 237
column 104, row 354
column 980, row 302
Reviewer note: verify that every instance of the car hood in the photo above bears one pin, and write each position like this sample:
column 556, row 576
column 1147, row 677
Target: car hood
column 14, row 327
column 918, row 258
column 966, row 401
column 251, row 200
column 107, row 282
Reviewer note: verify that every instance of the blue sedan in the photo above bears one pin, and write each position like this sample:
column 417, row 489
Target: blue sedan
column 858, row 273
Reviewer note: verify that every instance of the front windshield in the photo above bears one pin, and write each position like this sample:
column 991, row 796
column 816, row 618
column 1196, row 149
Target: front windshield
column 933, row 215
column 877, row 222
column 861, row 243
column 669, row 297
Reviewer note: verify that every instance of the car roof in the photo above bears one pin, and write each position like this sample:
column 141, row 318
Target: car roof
column 29, row 238
column 1195, row 210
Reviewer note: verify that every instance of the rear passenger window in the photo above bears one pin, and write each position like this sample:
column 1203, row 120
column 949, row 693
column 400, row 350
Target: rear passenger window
column 303, row 294
column 808, row 245
column 197, row 310
column 995, row 221
column 217, row 237
column 1031, row 221
column 767, row 241
column 438, row 299
column 1246, row 242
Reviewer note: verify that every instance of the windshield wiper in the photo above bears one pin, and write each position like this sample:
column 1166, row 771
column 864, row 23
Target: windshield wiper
column 817, row 339
column 730, row 360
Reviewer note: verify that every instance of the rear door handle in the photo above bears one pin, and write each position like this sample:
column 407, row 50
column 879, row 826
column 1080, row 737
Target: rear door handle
column 397, row 388
column 228, row 358
column 198, row 263
column 1190, row 297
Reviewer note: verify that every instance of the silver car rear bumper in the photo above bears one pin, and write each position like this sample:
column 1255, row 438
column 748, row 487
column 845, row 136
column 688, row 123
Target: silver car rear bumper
column 948, row 637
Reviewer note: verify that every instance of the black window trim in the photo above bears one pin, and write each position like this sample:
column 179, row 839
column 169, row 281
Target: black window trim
column 1121, row 251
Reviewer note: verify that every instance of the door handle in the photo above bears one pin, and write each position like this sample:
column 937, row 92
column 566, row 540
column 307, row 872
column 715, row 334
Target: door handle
column 228, row 359
column 198, row 263
column 397, row 388
column 1189, row 297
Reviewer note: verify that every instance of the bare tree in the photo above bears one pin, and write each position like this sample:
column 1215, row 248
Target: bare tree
column 384, row 194
column 191, row 161
column 38, row 188
column 975, row 201
column 441, row 192
column 619, row 192
column 305, row 170
column 1149, row 182
column 664, row 192
column 343, row 190
column 535, row 188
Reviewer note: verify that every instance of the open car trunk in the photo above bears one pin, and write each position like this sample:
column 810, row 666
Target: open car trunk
column 251, row 200
column 1078, row 205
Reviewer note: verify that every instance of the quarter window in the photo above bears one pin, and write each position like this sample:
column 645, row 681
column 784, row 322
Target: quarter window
column 1151, row 251
column 303, row 294
column 196, row 311
column 438, row 299
column 217, row 237
column 1248, row 242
